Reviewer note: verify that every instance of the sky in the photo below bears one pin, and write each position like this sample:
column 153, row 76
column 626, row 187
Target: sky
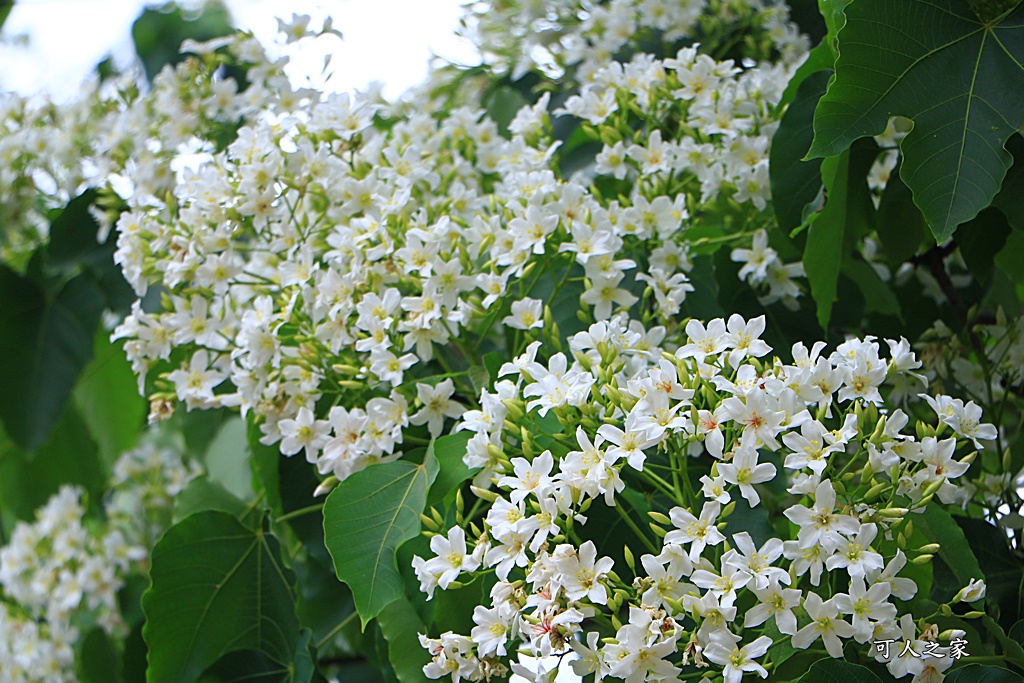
column 384, row 40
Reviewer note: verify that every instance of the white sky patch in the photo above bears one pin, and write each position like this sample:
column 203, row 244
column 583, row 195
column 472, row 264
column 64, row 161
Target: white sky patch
column 385, row 40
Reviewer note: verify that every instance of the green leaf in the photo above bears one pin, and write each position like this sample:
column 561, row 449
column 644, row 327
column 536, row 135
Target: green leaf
column 452, row 471
column 366, row 518
column 401, row 625
column 795, row 183
column 203, row 494
column 1011, row 259
column 5, row 9
column 878, row 295
column 45, row 342
column 69, row 456
column 838, row 671
column 847, row 214
column 1010, row 199
column 892, row 55
column 901, row 226
column 980, row 239
column 217, row 586
column 502, row 106
column 108, row 399
column 978, row 673
column 253, row 666
column 1003, row 570
column 227, row 459
column 99, row 659
column 938, row 526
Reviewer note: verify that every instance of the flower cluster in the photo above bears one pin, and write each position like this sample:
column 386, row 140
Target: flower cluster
column 646, row 415
column 57, row 573
column 329, row 269
column 569, row 34
column 60, row 575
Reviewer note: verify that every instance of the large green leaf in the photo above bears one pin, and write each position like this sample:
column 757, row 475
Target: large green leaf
column 1003, row 570
column 838, row 671
column 978, row 673
column 938, row 526
column 847, row 214
column 45, row 342
column 366, row 518
column 452, row 471
column 901, row 227
column 253, row 666
column 69, row 456
column 401, row 625
column 108, row 399
column 956, row 77
column 980, row 239
column 217, row 586
column 795, row 183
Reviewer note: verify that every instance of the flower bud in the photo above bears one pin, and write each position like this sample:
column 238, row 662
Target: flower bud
column 485, row 494
column 326, row 486
column 630, row 561
column 922, row 559
column 659, row 517
column 428, row 522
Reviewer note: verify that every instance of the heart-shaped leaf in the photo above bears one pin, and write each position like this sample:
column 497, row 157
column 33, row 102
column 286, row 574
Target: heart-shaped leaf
column 956, row 76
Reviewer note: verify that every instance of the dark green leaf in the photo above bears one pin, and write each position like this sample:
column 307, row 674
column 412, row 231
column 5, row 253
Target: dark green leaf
column 502, row 106
column 938, row 526
column 108, row 399
column 493, row 362
column 977, row 673
column 400, row 625
column 73, row 232
column 838, row 671
column 452, row 471
column 253, row 666
column 1010, row 199
column 366, row 518
column 878, row 295
column 980, row 239
column 901, row 226
column 69, row 456
column 101, row 662
column 5, row 9
column 45, row 342
column 159, row 31
column 1003, row 570
column 1011, row 259
column 203, row 494
column 795, row 183
column 217, row 586
column 892, row 53
column 847, row 214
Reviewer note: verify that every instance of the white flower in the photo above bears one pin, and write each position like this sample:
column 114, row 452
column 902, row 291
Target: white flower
column 437, row 405
column 745, row 471
column 526, row 314
column 777, row 602
column 737, row 660
column 825, row 624
column 867, row 606
column 972, row 592
column 582, row 573
column 700, row 533
column 305, row 431
column 756, row 259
